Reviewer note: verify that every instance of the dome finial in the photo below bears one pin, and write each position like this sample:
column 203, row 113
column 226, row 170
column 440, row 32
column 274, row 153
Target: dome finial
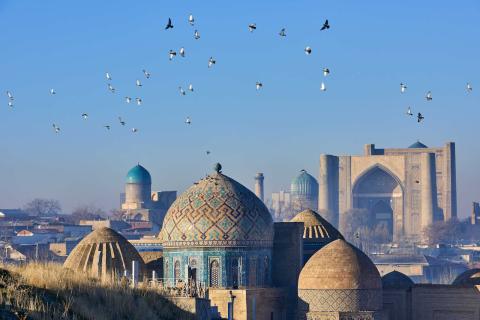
column 217, row 167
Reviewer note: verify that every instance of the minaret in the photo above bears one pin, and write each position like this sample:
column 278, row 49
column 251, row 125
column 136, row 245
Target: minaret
column 259, row 185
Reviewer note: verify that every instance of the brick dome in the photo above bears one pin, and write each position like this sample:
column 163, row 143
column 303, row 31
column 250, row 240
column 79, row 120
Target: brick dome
column 104, row 254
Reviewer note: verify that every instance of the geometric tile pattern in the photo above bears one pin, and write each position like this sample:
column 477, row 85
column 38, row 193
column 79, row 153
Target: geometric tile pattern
column 217, row 211
column 341, row 300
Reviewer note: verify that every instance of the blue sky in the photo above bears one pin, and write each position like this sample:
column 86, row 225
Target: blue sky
column 371, row 47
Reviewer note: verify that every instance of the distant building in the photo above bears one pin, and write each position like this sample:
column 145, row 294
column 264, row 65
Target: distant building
column 140, row 203
column 13, row 214
column 405, row 189
column 280, row 205
column 475, row 217
column 304, row 192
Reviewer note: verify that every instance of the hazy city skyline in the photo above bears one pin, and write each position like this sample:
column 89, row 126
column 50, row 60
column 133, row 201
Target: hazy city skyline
column 278, row 131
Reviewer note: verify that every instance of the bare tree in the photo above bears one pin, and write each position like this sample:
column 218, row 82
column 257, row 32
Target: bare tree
column 43, row 207
column 448, row 232
column 87, row 212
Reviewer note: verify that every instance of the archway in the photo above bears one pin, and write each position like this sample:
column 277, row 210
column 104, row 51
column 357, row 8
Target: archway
column 379, row 192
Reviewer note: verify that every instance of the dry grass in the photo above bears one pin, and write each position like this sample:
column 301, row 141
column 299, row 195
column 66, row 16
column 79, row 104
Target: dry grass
column 48, row 291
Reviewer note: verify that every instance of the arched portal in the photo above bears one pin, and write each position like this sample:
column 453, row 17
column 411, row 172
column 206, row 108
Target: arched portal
column 379, row 192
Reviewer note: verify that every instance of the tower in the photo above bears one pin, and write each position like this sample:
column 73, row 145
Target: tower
column 259, row 185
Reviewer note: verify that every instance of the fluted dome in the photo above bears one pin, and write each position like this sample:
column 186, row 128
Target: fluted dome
column 470, row 277
column 217, row 211
column 104, row 254
column 304, row 185
column 339, row 265
column 139, row 175
column 316, row 228
column 396, row 280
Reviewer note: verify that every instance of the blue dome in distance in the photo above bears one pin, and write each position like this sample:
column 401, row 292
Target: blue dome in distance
column 418, row 145
column 304, row 184
column 139, row 174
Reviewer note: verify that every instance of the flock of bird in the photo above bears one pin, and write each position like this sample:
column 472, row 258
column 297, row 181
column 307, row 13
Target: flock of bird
column 428, row 96
column 211, row 62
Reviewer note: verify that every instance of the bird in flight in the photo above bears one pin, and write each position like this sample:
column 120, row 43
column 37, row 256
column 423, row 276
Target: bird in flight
column 139, row 101
column 191, row 20
column 56, row 128
column 169, row 24
column 111, row 88
column 9, row 95
column 121, row 121
column 107, row 75
column 146, row 73
column 403, row 87
column 84, row 116
column 409, row 112
column 188, row 121
column 420, row 117
column 259, row 85
column 196, row 35
column 211, row 62
column 428, row 96
column 326, row 72
column 138, row 83
column 190, row 87
column 172, row 54
column 252, row 27
column 10, row 104
column 282, row 33
column 52, row 91
column 469, row 87
column 326, row 25
column 182, row 52
column 207, row 152
column 323, row 87
column 107, row 127
column 134, row 130
column 308, row 50
column 182, row 92
column 128, row 99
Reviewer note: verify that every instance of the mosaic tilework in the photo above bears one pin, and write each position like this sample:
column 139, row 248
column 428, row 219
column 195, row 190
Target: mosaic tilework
column 341, row 300
column 217, row 212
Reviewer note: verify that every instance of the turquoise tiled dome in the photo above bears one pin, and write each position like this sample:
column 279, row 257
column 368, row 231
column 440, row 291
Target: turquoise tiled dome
column 139, row 174
column 418, row 145
column 217, row 211
column 304, row 185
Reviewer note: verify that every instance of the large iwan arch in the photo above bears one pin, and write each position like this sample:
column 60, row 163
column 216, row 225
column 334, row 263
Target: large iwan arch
column 378, row 191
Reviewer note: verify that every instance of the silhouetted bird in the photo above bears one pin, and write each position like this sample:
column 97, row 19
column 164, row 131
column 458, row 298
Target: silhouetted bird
column 56, row 128
column 211, row 62
column 252, row 27
column 409, row 112
column 420, row 117
column 196, row 35
column 403, row 87
column 429, row 96
column 326, row 25
column 191, row 20
column 169, row 24
column 282, row 33
column 308, row 50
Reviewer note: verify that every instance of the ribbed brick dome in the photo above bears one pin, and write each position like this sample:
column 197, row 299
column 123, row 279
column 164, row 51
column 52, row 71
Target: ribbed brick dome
column 104, row 254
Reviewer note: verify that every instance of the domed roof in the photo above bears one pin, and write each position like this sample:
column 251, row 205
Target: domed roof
column 304, row 184
column 396, row 280
column 217, row 211
column 339, row 265
column 139, row 174
column 315, row 227
column 417, row 145
column 103, row 253
column 470, row 277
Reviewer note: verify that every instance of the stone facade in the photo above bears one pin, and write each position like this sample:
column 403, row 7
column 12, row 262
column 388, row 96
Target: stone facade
column 405, row 189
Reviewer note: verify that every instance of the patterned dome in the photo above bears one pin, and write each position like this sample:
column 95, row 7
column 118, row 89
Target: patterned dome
column 217, row 211
column 304, row 185
column 104, row 254
column 139, row 174
column 315, row 227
